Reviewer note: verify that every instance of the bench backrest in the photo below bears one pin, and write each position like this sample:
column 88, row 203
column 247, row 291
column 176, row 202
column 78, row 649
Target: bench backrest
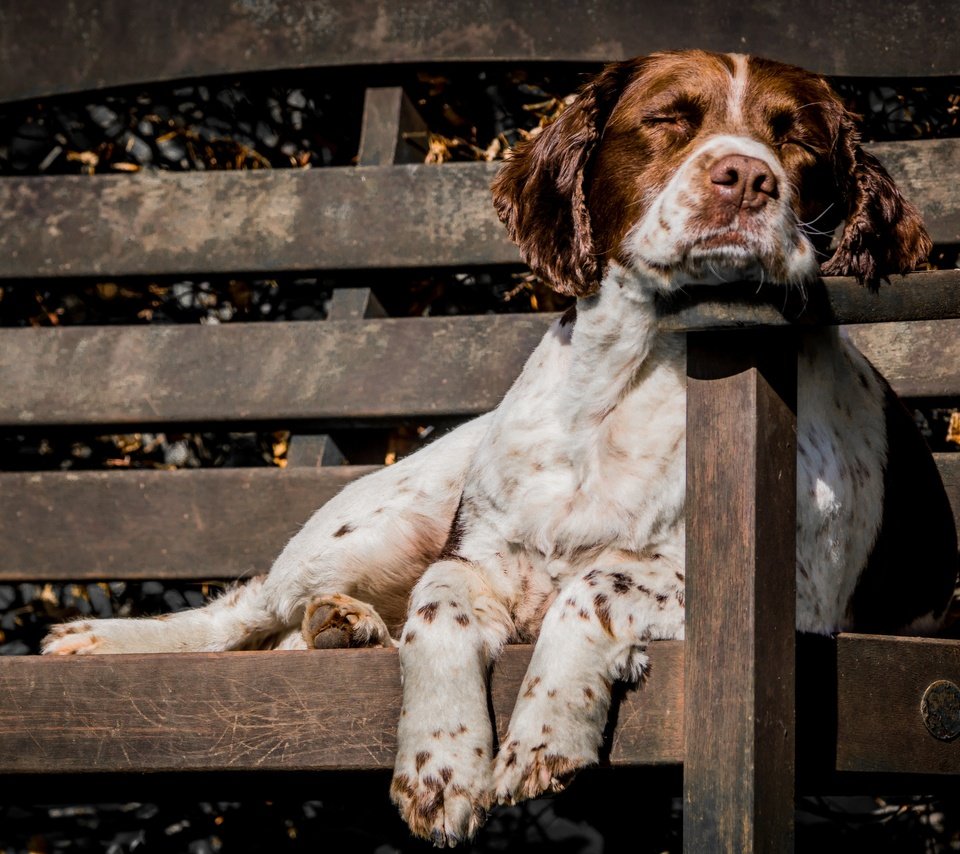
column 382, row 215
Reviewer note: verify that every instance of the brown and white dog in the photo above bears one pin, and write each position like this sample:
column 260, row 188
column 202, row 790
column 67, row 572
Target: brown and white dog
column 559, row 516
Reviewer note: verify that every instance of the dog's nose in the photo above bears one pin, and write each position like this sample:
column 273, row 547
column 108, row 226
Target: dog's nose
column 743, row 182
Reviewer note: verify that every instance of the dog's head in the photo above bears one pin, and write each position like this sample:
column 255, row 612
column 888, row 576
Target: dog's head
column 693, row 166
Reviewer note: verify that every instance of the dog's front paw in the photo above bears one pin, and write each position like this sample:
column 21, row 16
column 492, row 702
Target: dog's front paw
column 337, row 621
column 444, row 794
column 527, row 770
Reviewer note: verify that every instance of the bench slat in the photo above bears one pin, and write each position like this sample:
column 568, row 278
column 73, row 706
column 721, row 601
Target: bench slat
column 338, row 709
column 405, row 216
column 190, row 524
column 96, row 43
column 373, row 368
column 919, row 359
column 300, row 370
column 187, row 524
column 881, row 681
column 318, row 710
column 155, row 223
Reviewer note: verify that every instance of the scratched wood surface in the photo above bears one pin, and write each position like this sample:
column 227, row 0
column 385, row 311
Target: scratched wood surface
column 403, row 216
column 320, row 710
column 337, row 709
column 740, row 592
column 91, row 44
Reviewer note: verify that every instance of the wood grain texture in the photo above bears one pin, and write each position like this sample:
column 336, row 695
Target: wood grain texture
column 343, row 218
column 456, row 366
column 405, row 216
column 319, row 710
column 392, row 130
column 453, row 366
column 918, row 358
column 190, row 525
column 929, row 295
column 156, row 524
column 740, row 592
column 881, row 681
column 98, row 43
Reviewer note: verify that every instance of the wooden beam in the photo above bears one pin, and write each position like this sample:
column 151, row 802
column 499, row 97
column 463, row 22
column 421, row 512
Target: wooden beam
column 146, row 524
column 919, row 358
column 324, row 710
column 347, row 218
column 881, row 684
column 187, row 524
column 431, row 367
column 456, row 366
column 369, row 217
column 392, row 130
column 931, row 295
column 740, row 592
column 92, row 44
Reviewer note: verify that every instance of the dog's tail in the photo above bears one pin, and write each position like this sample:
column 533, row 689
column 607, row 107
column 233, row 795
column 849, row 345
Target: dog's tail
column 240, row 619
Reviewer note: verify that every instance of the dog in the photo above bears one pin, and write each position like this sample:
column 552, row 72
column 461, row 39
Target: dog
column 558, row 518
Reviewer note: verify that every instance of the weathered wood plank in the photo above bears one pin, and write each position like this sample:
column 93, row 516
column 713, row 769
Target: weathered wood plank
column 881, row 683
column 247, row 372
column 97, row 43
column 740, row 593
column 918, row 358
column 930, row 295
column 926, row 172
column 260, row 220
column 392, row 131
column 190, row 525
column 451, row 366
column 318, row 710
column 339, row 218
column 200, row 524
column 334, row 710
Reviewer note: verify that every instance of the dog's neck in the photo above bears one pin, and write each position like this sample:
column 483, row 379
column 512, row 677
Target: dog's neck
column 615, row 331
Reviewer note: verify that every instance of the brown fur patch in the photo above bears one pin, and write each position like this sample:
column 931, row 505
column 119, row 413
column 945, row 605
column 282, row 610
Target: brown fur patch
column 428, row 612
column 344, row 529
column 602, row 610
column 462, row 619
column 422, row 758
column 529, row 692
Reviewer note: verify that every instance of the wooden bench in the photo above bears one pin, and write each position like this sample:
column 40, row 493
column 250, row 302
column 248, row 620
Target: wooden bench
column 858, row 699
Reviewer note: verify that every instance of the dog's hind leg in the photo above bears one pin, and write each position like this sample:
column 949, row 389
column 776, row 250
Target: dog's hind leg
column 363, row 550
column 240, row 619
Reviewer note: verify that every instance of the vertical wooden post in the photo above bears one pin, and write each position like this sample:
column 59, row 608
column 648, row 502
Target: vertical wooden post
column 740, row 592
column 392, row 131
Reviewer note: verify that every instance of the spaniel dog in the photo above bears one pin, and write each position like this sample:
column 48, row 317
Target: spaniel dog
column 558, row 518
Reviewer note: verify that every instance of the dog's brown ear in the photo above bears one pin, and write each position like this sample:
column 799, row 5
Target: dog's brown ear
column 883, row 232
column 539, row 193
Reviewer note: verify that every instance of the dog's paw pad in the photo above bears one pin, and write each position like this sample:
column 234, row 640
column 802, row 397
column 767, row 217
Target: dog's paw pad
column 337, row 621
